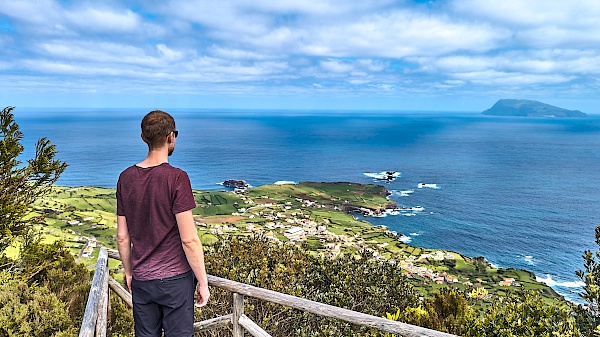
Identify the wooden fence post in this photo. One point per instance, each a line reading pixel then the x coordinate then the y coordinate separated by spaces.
pixel 238 311
pixel 102 323
pixel 88 326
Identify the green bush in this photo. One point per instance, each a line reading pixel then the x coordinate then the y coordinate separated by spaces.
pixel 359 284
pixel 31 310
pixel 52 291
pixel 522 315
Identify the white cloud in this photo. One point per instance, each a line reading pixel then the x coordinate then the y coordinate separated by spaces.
pixel 491 77
pixel 103 20
pixel 336 66
pixel 371 46
pixel 169 54
pixel 236 54
pixel 395 32
pixel 96 52
pixel 531 13
pixel 79 69
pixel 40 12
pixel 401 33
pixel 372 65
pixel 326 8
pixel 538 23
pixel 218 18
pixel 571 63
pixel 384 87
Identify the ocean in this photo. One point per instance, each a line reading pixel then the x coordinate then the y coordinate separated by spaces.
pixel 523 192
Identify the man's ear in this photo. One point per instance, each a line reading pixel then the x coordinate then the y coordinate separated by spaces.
pixel 142 135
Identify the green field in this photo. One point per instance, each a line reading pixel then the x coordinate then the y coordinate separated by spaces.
pixel 75 212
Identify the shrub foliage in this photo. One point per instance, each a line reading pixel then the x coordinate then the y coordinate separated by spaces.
pixel 21 185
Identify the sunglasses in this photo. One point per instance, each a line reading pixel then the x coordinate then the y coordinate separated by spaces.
pixel 175 133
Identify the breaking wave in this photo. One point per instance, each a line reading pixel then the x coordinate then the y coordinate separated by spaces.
pixel 552 283
pixel 285 182
pixel 385 176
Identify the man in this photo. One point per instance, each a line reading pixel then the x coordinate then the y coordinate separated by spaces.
pixel 157 237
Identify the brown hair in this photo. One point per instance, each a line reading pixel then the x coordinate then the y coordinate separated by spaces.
pixel 156 126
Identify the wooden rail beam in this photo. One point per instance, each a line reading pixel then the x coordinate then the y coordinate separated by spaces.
pixel 213 323
pixel 119 290
pixel 114 254
pixel 253 328
pixel 326 310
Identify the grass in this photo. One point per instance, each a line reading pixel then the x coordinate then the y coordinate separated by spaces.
pixel 67 203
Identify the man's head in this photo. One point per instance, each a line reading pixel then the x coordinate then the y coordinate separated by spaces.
pixel 158 130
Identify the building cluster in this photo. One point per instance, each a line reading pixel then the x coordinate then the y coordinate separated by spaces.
pixel 282 220
pixel 88 248
pixel 90 242
pixel 508 282
pixel 427 273
pixel 85 221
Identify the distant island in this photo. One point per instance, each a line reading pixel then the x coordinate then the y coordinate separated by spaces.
pixel 529 108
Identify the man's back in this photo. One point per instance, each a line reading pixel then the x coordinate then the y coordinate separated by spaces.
pixel 157 239
pixel 149 197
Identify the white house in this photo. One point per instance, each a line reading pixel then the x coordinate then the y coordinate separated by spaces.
pixel 294 233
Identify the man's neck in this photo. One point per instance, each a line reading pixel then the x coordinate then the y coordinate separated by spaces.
pixel 155 157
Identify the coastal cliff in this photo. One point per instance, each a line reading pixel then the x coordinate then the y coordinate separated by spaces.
pixel 529 108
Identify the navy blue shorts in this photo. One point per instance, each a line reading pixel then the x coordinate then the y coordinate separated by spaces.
pixel 165 304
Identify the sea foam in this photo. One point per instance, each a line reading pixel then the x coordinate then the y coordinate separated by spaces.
pixel 552 283
pixel 284 182
pixel 404 193
pixel 385 175
pixel 405 239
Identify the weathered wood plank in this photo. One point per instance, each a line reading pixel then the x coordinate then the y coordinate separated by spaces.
pixel 120 291
pixel 326 310
pixel 101 321
pixel 238 311
pixel 213 323
pixel 252 327
pixel 114 254
pixel 88 325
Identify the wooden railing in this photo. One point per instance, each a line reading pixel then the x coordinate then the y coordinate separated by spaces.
pixel 95 317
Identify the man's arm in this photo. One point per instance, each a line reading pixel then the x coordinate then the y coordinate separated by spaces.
pixel 124 245
pixel 193 252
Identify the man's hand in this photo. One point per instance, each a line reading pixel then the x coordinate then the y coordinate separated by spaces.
pixel 202 295
pixel 128 280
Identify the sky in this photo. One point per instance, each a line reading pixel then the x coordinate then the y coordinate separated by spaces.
pixel 454 55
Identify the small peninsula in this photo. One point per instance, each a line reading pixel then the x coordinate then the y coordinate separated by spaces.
pixel 529 108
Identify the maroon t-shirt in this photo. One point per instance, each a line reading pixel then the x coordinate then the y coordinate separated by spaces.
pixel 149 198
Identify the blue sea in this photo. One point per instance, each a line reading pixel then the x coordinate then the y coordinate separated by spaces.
pixel 523 192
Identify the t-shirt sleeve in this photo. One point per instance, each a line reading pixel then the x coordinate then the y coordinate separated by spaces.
pixel 184 198
pixel 120 210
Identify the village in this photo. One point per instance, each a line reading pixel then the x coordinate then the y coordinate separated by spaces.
pixel 300 218
pixel 289 222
